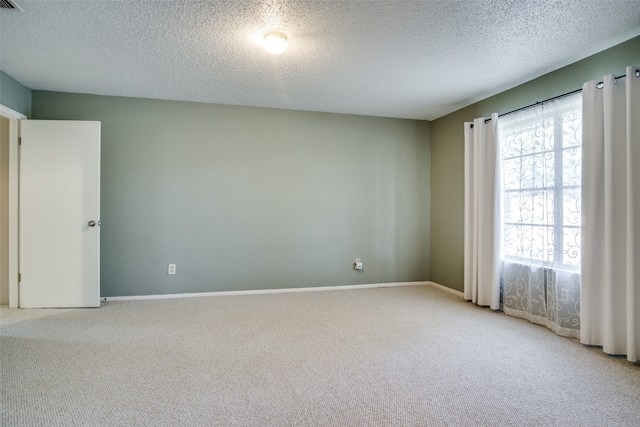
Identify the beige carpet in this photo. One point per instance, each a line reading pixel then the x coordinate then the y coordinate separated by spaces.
pixel 412 356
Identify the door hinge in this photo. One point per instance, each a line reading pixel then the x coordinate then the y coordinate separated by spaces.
pixel 19 140
pixel 19 277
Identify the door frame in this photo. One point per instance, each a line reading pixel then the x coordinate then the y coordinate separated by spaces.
pixel 14 162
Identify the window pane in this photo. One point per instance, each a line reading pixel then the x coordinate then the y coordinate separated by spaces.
pixel 571 201
pixel 511 171
pixel 528 139
pixel 535 171
pixel 572 250
pixel 541 204
pixel 572 166
pixel 532 242
pixel 572 129
pixel 529 207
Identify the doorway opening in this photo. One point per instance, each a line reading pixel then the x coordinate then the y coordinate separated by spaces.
pixel 9 132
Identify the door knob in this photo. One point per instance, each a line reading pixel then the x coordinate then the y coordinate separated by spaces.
pixel 91 223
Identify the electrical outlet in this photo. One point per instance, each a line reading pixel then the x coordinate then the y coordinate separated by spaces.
pixel 358 264
pixel 171 269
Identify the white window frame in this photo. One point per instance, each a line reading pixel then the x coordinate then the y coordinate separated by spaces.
pixel 559 225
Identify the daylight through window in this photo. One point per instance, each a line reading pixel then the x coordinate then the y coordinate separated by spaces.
pixel 541 162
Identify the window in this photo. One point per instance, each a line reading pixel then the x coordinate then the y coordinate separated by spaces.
pixel 541 162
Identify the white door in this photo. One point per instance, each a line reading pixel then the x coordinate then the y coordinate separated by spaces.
pixel 59 214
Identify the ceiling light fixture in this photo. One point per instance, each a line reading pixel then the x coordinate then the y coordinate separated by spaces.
pixel 275 42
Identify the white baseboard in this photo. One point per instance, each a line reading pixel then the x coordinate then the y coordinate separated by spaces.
pixel 270 291
pixel 444 288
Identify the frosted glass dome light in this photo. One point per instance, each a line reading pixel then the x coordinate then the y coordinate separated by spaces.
pixel 275 43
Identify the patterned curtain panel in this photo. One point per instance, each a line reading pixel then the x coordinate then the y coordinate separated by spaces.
pixel 540 166
pixel 544 296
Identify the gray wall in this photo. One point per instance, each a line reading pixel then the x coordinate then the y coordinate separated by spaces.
pixel 253 198
pixel 447 150
pixel 14 95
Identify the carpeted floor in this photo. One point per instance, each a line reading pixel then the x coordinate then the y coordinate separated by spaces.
pixel 408 356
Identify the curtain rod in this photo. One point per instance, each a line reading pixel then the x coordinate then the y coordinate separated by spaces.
pixel 599 85
pixel 541 102
pixel 538 103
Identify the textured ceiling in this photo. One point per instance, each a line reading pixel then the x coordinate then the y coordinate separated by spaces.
pixel 409 59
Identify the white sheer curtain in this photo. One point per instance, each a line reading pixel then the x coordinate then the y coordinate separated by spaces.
pixel 540 154
pixel 610 312
pixel 482 225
